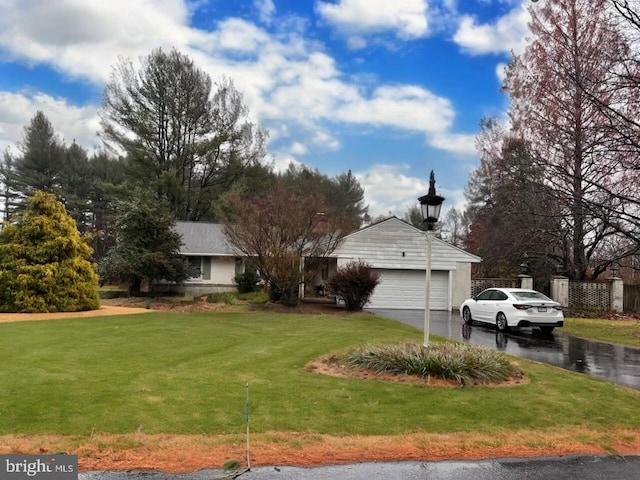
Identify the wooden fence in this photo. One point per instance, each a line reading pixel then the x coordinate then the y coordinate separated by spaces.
pixel 632 298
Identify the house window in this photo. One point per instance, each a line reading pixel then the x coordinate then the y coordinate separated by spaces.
pixel 195 267
pixel 324 273
pixel 239 268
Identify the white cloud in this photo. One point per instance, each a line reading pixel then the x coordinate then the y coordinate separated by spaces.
pixel 406 18
pixel 325 140
pixel 289 83
pixel 298 148
pixel 237 35
pixel 281 160
pixel 69 122
pixel 406 107
pixel 356 43
pixel 507 34
pixel 456 143
pixel 83 39
pixel 501 73
pixel 266 10
pixel 388 189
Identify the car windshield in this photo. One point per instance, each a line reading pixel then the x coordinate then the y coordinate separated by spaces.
pixel 530 296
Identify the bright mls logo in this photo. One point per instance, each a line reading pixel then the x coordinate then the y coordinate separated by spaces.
pixel 41 467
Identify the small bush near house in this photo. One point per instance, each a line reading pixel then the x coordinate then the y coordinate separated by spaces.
pixel 354 283
pixel 287 296
pixel 230 298
pixel 256 298
pixel 456 361
pixel 233 298
pixel 248 281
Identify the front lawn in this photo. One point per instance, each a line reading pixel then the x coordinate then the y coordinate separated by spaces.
pixel 624 332
pixel 186 373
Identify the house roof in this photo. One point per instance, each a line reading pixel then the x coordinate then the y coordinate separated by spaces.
pixel 394 243
pixel 203 238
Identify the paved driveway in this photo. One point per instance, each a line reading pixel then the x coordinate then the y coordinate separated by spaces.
pixel 615 363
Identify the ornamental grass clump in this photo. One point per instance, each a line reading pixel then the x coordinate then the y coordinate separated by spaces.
pixel 458 361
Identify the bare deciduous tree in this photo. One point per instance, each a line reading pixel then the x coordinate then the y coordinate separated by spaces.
pixel 557 90
pixel 286 233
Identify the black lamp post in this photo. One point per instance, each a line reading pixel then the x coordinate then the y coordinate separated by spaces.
pixel 430 205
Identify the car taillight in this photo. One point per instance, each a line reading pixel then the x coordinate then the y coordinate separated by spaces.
pixel 558 307
pixel 521 306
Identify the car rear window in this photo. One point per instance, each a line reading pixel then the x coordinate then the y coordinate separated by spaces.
pixel 498 295
pixel 530 296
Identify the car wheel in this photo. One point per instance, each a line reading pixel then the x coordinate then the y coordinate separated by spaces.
pixel 546 329
pixel 466 316
pixel 501 322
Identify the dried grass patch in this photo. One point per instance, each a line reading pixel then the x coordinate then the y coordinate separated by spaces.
pixel 188 453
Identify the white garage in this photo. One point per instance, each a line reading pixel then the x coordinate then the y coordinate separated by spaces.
pixel 397 251
pixel 406 288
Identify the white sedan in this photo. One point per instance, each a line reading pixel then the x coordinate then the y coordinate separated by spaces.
pixel 513 307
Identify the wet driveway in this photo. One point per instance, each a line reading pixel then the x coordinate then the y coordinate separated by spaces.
pixel 616 363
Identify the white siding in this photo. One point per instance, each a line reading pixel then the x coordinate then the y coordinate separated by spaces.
pixel 394 244
pixel 406 288
pixel 461 285
pixel 398 252
pixel 223 271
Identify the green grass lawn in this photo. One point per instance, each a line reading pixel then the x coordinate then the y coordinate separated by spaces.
pixel 625 332
pixel 186 373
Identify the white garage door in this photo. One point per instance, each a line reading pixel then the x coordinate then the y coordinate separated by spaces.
pixel 405 289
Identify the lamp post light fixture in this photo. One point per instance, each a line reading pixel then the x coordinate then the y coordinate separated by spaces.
pixel 430 205
pixel 615 268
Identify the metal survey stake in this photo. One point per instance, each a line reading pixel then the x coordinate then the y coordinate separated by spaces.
pixel 247 417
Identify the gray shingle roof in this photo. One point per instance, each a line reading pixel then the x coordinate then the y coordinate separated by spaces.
pixel 202 238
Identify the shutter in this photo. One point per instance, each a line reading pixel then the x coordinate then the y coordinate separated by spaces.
pixel 206 268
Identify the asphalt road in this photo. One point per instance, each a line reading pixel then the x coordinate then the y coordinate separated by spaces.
pixel 556 468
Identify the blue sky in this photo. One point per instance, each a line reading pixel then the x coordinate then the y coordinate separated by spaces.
pixel 389 89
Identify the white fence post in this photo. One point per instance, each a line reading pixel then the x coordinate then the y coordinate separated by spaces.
pixel 560 290
pixel 617 294
pixel 526 281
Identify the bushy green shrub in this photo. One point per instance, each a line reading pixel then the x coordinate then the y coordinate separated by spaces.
pixel 44 261
pixel 354 283
pixel 255 298
pixel 234 298
pixel 248 281
pixel 458 361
